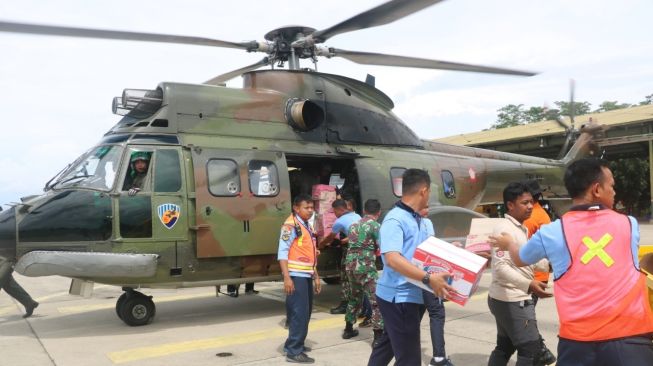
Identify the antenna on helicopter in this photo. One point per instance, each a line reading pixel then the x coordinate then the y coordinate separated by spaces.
pixel 287 44
pixel 370 80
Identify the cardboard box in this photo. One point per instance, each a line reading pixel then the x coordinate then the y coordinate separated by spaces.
pixel 323 197
pixel 479 232
pixel 466 268
pixel 320 190
pixel 324 222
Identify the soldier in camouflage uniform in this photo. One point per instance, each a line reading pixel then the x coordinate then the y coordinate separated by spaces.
pixel 360 266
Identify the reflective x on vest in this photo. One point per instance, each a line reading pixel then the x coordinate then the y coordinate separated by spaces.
pixel 596 249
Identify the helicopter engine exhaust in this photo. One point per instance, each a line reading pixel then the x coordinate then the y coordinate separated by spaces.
pixel 302 114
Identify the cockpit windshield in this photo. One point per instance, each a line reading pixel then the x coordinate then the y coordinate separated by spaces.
pixel 96 169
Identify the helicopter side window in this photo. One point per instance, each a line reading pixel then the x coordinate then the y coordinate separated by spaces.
pixel 223 177
pixel 167 173
pixel 136 178
pixel 263 178
pixel 396 177
pixel 448 184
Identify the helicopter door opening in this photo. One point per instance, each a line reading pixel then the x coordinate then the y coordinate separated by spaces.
pixel 325 179
pixel 307 172
pixel 242 198
pixel 151 203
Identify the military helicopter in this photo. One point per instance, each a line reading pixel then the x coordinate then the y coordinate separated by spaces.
pixel 223 164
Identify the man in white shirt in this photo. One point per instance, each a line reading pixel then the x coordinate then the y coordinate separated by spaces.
pixel 510 291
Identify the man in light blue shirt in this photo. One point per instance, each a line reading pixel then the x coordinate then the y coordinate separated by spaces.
pixel 400 302
pixel 340 230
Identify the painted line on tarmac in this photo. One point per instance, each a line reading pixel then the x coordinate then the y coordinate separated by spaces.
pixel 142 353
pixel 7 309
pixel 86 308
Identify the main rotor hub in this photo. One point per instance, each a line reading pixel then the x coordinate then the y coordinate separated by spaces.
pixel 282 43
pixel 289 33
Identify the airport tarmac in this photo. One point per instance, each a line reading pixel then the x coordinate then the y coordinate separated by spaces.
pixel 193 327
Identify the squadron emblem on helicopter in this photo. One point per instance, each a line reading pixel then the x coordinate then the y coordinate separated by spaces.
pixel 169 214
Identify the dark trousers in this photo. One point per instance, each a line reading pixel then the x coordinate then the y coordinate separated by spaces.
pixel 249 286
pixel 299 306
pixel 631 351
pixel 435 308
pixel 516 331
pixel 367 307
pixel 400 337
pixel 15 290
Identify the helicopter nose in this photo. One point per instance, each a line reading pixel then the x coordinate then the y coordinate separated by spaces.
pixel 8 234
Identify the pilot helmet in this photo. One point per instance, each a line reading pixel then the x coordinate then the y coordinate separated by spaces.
pixel 140 155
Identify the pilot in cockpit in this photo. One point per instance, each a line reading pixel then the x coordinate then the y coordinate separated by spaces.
pixel 135 179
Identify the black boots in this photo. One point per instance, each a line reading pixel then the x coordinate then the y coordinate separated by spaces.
pixel 340 309
pixel 349 332
pixel 29 310
pixel 545 357
pixel 377 337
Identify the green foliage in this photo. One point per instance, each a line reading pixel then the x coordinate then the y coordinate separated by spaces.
pixel 632 185
pixel 510 115
pixel 611 105
pixel 537 114
pixel 579 108
pixel 518 114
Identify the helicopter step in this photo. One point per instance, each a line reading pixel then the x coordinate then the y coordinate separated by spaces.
pixel 135 308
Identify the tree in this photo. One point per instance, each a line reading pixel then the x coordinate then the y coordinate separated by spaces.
pixel 510 115
pixel 536 114
pixel 648 100
pixel 632 184
pixel 579 108
pixel 611 105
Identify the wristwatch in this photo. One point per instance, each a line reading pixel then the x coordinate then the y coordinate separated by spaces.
pixel 426 278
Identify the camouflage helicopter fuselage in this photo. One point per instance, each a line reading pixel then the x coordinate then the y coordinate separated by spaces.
pixel 201 220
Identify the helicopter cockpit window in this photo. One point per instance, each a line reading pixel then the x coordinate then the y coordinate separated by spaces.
pixel 167 173
pixel 223 177
pixel 136 178
pixel 396 177
pixel 448 184
pixel 263 178
pixel 96 169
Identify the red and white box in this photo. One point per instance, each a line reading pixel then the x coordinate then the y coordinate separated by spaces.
pixel 466 268
pixel 479 232
pixel 324 223
pixel 321 191
pixel 323 197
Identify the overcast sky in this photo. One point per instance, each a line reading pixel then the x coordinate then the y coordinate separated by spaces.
pixel 55 92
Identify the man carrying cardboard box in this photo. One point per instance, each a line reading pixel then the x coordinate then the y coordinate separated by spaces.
pixel 510 291
pixel 400 302
pixel 605 318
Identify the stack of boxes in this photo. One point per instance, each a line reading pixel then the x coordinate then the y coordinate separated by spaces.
pixel 323 197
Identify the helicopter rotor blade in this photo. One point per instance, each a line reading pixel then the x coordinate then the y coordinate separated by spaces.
pixel 221 79
pixel 52 30
pixel 570 129
pixel 370 58
pixel 380 15
pixel 572 105
pixel 565 146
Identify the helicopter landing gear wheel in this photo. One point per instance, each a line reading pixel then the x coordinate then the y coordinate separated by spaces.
pixel 135 309
pixel 119 304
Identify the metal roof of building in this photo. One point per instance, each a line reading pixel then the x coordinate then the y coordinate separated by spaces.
pixel 537 129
